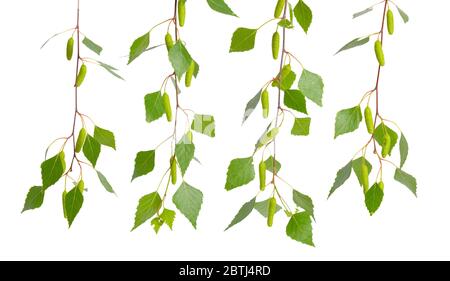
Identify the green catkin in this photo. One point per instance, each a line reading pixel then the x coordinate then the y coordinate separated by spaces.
pixel 390 22
pixel 169 41
pixel 262 175
pixel 365 176
pixel 369 119
pixel 272 209
pixel 379 52
pixel 81 75
pixel 279 8
pixel 181 12
pixel 386 145
pixel 275 45
pixel 189 74
pixel 167 107
pixel 173 169
pixel 69 48
pixel 381 185
pixel 80 140
pixel 265 103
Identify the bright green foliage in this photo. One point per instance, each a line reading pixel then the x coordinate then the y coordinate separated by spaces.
pixel 35 198
pixel 144 163
pixel 244 212
pixel 299 228
pixel 52 170
pixel 240 172
pixel 347 120
pixel 147 208
pixel 243 39
pixel 189 201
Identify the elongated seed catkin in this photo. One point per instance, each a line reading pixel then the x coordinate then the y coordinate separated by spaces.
pixel 390 21
pixel 262 175
pixel 81 75
pixel 369 119
pixel 379 52
pixel 167 107
pixel 279 8
pixel 275 45
pixel 181 12
pixel 272 209
pixel 386 145
pixel 381 185
pixel 69 48
pixel 265 103
pixel 173 170
pixel 365 176
pixel 80 140
pixel 189 74
pixel 169 41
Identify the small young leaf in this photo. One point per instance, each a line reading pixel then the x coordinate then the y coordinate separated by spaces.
pixel 341 177
pixel 104 137
pixel 180 59
pixel 357 164
pixel 347 120
pixel 240 172
pixel 303 14
pixel 263 208
pixel 407 180
pixel 374 197
pixel 157 223
pixel 311 86
pixel 154 107
pixel 287 77
pixel 92 46
pixel 363 12
pixel 403 150
pixel 52 170
pixel 73 203
pixel 147 208
pixel 184 151
pixel 105 182
pixel 269 165
pixel 91 149
pixel 285 23
pixel 379 136
pixel 112 70
pixel 244 212
pixel 402 13
pixel 168 216
pixel 139 46
pixel 304 202
pixel 221 7
pixel 204 124
pixel 189 201
pixel 354 43
pixel 299 228
pixel 144 163
pixel 35 198
pixel 294 99
pixel 243 40
pixel 251 105
pixel 301 126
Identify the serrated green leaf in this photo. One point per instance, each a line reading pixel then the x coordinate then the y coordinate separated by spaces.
pixel 301 126
pixel 311 86
pixel 147 208
pixel 263 207
pixel 251 105
pixel 184 152
pixel 299 228
pixel 407 180
pixel 204 124
pixel 73 203
pixel 34 199
pixel 154 107
pixel 244 212
pixel 267 137
pixel 112 70
pixel 404 147
pixel 404 16
pixel 91 149
pixel 243 40
pixel 269 165
pixel 373 198
pixel 285 23
pixel 363 12
pixel 240 172
pixel 189 201
pixel 221 7
pixel 139 46
pixel 357 164
pixel 347 120
pixel 92 46
pixel 303 14
pixel 144 163
pixel 168 216
pixel 354 43
pixel 294 99
pixel 105 182
pixel 379 136
pixel 303 201
pixel 341 177
pixel 157 223
pixel 104 137
pixel 52 170
pixel 180 59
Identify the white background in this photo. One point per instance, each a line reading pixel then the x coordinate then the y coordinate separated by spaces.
pixel 37 105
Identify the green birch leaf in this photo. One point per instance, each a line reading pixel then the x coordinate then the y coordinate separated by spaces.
pixel 112 70
pixel 92 46
pixel 404 16
pixel 263 208
pixel 73 201
pixel 303 201
pixel 105 182
pixel 285 23
pixel 251 105
pixel 373 198
pixel 35 198
pixel 104 137
pixel 269 165
pixel 147 208
pixel 154 108
pixel 240 172
pixel 363 12
pixel 303 14
pixel 244 212
pixel 157 223
pixel 52 170
pixel 243 40
pixel 189 201
pixel 139 46
pixel 299 228
pixel 287 77
pixel 357 164
pixel 204 124
pixel 311 86
pixel 354 43
pixel 91 149
pixel 407 180
pixel 347 121
pixel 301 126
pixel 221 7
pixel 403 150
pixel 341 177
pixel 294 99
pixel 184 151
pixel 180 59
pixel 379 136
pixel 144 163
pixel 168 216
